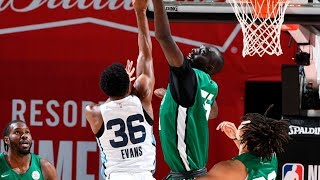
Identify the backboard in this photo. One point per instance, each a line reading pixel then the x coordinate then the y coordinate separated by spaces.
pixel 298 11
pixel 261 24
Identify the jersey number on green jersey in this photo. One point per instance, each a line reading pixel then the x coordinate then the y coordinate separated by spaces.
pixel 207 102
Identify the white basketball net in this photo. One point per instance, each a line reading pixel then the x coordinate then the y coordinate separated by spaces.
pixel 260 34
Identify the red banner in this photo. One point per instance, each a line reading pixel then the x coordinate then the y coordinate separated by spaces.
pixel 53 51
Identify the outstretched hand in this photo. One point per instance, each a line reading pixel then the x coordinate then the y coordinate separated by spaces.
pixel 160 92
pixel 140 4
pixel 228 128
pixel 130 70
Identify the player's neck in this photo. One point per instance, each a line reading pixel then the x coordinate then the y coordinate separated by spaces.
pixel 16 160
pixel 114 98
pixel 243 149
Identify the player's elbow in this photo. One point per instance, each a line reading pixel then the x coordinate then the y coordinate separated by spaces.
pixel 214 111
pixel 89 108
pixel 213 114
pixel 163 38
pixel 145 56
pixel 89 111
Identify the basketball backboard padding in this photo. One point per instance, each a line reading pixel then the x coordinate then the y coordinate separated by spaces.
pixel 315 29
pixel 301 35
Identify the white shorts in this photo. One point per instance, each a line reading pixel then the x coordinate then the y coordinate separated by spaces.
pixel 130 176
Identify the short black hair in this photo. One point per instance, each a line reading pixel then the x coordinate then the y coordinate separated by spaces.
pixel 264 136
pixel 6 132
pixel 114 80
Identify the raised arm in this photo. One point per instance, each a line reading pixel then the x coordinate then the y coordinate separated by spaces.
pixel 144 60
pixel 144 83
pixel 162 30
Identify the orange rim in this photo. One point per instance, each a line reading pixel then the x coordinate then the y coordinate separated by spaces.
pixel 265 9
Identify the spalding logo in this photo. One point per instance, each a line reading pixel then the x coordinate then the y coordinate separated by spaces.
pixel 171 8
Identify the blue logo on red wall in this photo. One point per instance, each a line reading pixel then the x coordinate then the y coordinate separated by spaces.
pixel 292 171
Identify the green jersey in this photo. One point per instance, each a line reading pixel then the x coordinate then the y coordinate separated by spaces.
pixel 34 171
pixel 259 169
pixel 184 130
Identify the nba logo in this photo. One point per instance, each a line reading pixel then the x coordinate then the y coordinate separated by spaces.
pixel 292 171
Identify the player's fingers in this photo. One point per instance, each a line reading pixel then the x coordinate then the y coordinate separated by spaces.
pixel 220 126
pixel 160 92
pixel 131 64
pixel 223 127
pixel 157 91
pixel 132 71
pixel 231 126
pixel 234 126
pixel 128 63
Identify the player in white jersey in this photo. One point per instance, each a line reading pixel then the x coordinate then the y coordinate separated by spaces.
pixel 123 124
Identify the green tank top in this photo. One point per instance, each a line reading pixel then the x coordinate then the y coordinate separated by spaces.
pixel 259 169
pixel 34 172
pixel 184 131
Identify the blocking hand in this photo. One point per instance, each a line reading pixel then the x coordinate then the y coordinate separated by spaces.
pixel 140 4
pixel 130 70
pixel 228 128
pixel 160 92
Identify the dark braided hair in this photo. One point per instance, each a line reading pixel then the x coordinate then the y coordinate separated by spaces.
pixel 6 132
pixel 264 136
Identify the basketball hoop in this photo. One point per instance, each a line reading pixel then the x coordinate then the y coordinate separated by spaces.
pixel 261 22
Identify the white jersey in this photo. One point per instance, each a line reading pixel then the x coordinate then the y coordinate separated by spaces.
pixel 126 139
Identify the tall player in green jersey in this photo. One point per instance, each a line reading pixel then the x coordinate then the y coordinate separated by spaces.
pixel 188 103
pixel 258 139
pixel 18 162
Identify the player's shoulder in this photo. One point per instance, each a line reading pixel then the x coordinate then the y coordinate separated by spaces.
pixel 48 169
pixel 230 169
pixel 225 166
pixel 92 109
pixel 213 83
pixel 46 163
pixel 204 77
pixel 93 113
